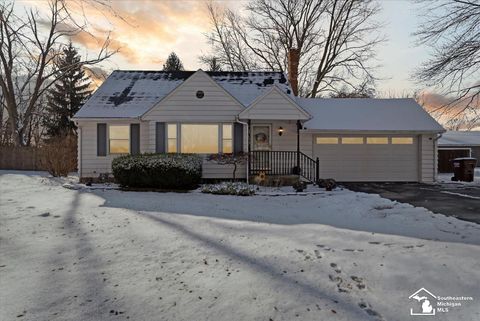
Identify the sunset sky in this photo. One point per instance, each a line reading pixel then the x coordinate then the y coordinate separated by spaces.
pixel 154 28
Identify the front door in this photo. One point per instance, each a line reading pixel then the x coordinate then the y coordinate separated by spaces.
pixel 261 136
pixel 261 146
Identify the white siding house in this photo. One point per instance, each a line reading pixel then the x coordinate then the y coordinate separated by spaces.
pixel 255 113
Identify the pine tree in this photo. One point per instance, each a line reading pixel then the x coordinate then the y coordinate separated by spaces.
pixel 173 63
pixel 67 95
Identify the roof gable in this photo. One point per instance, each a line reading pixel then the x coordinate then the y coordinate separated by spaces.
pixel 184 96
pixel 275 105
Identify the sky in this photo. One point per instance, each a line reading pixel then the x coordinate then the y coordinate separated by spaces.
pixel 151 29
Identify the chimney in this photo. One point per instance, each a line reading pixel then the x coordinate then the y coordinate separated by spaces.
pixel 293 57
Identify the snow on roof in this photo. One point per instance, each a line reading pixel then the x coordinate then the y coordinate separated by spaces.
pixel 364 114
pixel 460 138
pixel 247 86
pixel 128 94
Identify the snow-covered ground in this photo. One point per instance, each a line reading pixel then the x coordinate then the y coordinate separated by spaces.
pixel 111 255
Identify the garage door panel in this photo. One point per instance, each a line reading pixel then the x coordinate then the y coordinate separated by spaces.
pixel 368 162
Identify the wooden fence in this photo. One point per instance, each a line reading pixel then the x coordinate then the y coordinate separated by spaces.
pixel 21 158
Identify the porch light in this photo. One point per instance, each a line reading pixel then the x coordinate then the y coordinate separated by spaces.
pixel 280 131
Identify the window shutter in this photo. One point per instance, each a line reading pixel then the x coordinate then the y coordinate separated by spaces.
pixel 160 138
pixel 237 138
pixel 134 139
pixel 101 139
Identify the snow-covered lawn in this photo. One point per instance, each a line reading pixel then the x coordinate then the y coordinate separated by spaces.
pixel 111 255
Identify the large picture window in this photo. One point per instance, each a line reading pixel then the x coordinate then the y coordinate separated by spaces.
pixel 119 139
pixel 199 138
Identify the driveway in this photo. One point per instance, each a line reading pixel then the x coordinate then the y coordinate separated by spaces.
pixel 461 201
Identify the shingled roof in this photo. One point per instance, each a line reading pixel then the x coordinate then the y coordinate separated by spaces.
pixel 129 94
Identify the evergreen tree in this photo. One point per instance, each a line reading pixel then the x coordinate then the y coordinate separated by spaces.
pixel 67 95
pixel 173 63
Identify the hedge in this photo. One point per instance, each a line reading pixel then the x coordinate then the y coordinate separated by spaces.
pixel 158 171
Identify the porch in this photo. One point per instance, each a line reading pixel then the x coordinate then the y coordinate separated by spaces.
pixel 283 163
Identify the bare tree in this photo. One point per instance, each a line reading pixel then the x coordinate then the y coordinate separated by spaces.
pixel 29 45
pixel 452 29
pixel 211 62
pixel 334 40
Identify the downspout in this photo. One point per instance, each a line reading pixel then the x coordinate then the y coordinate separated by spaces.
pixel 248 145
pixel 299 126
pixel 435 174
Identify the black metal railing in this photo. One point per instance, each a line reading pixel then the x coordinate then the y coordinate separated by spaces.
pixel 276 163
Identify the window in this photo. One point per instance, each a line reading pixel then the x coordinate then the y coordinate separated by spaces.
pixel 171 138
pixel 402 140
pixel 200 94
pixel 377 140
pixel 119 139
pixel 200 139
pixel 352 140
pixel 227 141
pixel 327 140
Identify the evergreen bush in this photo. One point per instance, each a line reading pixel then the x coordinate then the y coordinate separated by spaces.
pixel 158 171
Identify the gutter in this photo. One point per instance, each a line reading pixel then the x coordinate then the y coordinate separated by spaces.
pixel 237 120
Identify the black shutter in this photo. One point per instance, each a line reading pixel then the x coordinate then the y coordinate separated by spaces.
pixel 101 139
pixel 160 138
pixel 134 139
pixel 237 138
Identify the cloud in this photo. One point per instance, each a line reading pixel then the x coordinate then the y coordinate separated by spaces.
pixel 144 31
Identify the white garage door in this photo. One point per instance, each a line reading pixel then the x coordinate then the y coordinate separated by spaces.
pixel 367 158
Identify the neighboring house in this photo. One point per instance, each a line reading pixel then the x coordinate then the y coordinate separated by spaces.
pixel 455 144
pixel 256 113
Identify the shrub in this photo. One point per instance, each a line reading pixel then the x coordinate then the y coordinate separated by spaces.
pixel 162 171
pixel 59 155
pixel 229 188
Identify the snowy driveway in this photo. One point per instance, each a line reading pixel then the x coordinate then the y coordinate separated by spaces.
pixel 454 199
pixel 111 255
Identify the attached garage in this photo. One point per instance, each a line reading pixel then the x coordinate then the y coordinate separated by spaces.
pixel 372 140
pixel 368 158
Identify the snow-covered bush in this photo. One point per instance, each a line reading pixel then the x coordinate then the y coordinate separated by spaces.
pixel 229 188
pixel 162 171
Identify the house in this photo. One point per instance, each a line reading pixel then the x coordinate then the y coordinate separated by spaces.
pixel 256 113
pixel 455 144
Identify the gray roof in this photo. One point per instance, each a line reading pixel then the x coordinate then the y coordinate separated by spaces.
pixel 129 94
pixel 460 138
pixel 364 114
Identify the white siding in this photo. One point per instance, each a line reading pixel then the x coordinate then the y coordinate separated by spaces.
pixel 182 105
pixel 428 158
pixel 273 105
pixel 288 140
pixel 91 165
